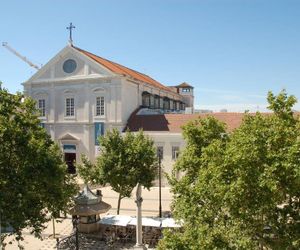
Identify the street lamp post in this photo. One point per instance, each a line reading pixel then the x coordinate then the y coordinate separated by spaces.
pixel 159 179
pixel 0 233
pixel 139 200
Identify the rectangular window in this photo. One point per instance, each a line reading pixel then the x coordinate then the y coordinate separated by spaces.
pixel 175 152
pixel 42 107
pixel 70 109
pixel 100 106
pixel 160 151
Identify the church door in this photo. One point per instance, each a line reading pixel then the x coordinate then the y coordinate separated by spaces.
pixel 70 159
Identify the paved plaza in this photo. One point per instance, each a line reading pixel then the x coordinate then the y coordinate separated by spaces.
pixel 64 227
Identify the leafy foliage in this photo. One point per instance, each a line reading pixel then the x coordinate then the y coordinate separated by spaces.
pixel 33 179
pixel 241 190
pixel 124 162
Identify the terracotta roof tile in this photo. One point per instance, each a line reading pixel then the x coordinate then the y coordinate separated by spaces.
pixel 122 70
pixel 174 122
pixel 184 85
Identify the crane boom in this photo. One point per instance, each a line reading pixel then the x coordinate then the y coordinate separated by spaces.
pixel 4 44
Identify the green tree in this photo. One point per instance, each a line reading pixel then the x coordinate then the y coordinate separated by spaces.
pixel 33 179
pixel 124 161
pixel 241 190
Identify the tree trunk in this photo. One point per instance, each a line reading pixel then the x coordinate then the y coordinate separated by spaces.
pixel 119 203
pixel 53 224
pixel 261 245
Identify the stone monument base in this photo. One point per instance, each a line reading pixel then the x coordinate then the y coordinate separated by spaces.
pixel 139 247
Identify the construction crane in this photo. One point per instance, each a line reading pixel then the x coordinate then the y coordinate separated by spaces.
pixel 4 44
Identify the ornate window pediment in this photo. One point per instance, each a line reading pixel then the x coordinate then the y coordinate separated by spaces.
pixel 69 91
pixel 98 90
pixel 40 93
pixel 68 137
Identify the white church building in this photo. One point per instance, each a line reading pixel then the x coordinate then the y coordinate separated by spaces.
pixel 81 95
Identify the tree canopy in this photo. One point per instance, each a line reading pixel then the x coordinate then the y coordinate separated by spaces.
pixel 241 190
pixel 33 179
pixel 124 161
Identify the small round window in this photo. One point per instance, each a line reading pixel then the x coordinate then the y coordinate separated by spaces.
pixel 69 66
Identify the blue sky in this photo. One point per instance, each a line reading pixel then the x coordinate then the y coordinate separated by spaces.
pixel 232 51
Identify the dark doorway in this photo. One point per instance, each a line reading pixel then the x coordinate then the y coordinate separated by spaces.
pixel 70 159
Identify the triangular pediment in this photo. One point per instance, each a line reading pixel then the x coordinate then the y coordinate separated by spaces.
pixel 55 69
pixel 68 137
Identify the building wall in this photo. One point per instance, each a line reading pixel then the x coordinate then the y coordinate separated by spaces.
pixel 167 141
pixel 122 96
pixel 188 97
pixel 130 99
pixel 81 125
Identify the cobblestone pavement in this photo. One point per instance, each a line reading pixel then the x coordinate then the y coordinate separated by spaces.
pixel 91 243
pixel 64 228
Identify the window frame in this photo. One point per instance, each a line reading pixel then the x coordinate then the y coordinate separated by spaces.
pixel 41 108
pixel 146 100
pixel 156 102
pixel 100 106
pixel 70 115
pixel 175 153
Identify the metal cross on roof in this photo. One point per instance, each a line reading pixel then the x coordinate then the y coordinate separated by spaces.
pixel 70 28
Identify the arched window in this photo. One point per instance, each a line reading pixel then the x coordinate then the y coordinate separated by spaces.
pixel 171 104
pixel 156 102
pixel 166 103
pixel 175 105
pixel 161 102
pixel 146 99
pixel 182 106
pixel 152 101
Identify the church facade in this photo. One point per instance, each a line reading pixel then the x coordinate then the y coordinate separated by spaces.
pixel 81 95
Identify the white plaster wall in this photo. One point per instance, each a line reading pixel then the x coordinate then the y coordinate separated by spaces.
pixel 77 130
pixel 84 94
pixel 130 99
pixel 82 124
pixel 167 140
pixel 46 75
pixel 58 68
